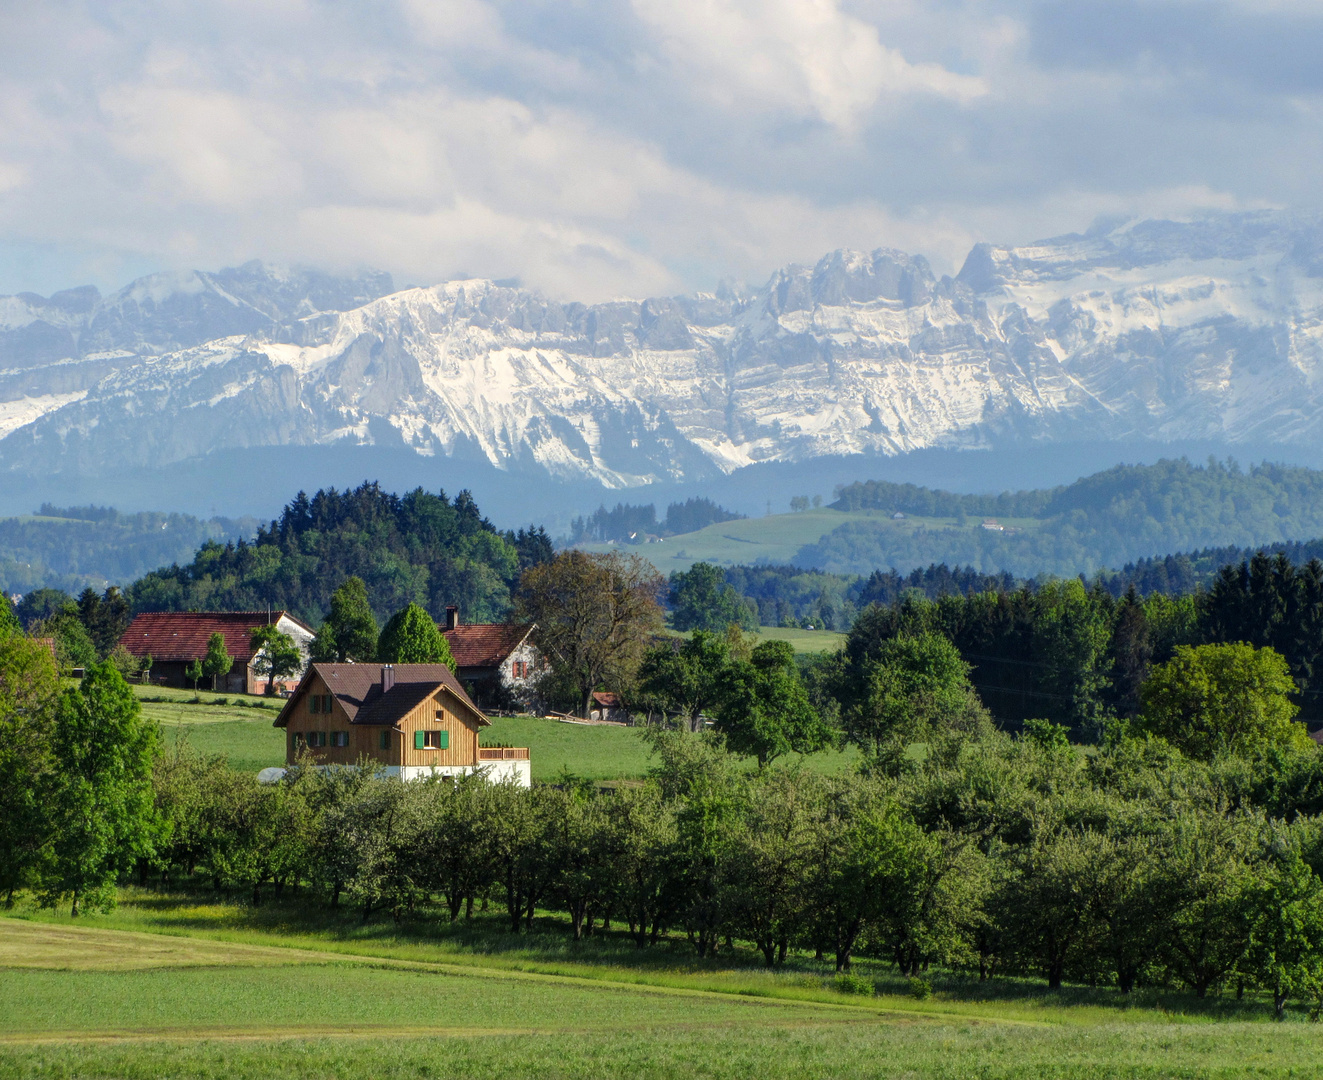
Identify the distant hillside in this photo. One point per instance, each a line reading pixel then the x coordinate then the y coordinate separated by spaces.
pixel 1106 520
pixel 72 547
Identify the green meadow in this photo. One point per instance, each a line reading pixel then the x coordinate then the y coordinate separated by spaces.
pixel 171 986
pixel 247 740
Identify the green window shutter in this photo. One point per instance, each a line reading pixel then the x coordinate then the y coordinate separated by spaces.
pixel 418 737
pixel 384 740
pixel 313 702
pixel 445 740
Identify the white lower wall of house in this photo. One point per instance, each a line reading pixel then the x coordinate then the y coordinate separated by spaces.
pixel 520 772
pixel 498 772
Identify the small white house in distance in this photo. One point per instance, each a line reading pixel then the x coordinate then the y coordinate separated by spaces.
pixel 498 663
pixel 410 720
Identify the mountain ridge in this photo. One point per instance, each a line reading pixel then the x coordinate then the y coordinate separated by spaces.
pixel 1210 329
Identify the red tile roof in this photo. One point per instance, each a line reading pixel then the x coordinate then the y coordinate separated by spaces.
pixel 479 645
pixel 183 635
pixel 358 689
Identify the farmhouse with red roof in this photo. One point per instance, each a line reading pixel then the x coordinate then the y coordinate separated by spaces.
pixel 498 662
pixel 174 639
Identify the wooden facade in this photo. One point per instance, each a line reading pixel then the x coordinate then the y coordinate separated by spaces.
pixel 411 720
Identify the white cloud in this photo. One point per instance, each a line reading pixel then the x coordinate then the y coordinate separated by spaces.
pixel 596 148
pixel 806 56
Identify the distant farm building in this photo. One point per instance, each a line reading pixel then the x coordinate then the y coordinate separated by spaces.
pixel 174 639
pixel 409 720
pixel 498 663
pixel 608 707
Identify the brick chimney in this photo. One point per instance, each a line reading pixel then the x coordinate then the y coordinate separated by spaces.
pixel 452 617
pixel 387 677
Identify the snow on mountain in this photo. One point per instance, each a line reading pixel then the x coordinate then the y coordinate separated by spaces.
pixel 1208 329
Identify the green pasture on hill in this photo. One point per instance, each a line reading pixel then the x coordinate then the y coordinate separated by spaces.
pixel 775 538
pixel 207 993
pixel 804 641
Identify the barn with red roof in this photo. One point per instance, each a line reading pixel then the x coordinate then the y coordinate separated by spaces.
pixel 174 639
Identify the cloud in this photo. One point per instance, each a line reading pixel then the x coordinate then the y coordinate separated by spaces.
pixel 597 148
pixel 806 56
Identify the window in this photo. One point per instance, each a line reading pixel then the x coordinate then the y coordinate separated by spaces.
pixel 314 703
pixel 298 738
pixel 519 669
pixel 316 738
pixel 339 738
pixel 431 740
pixel 383 741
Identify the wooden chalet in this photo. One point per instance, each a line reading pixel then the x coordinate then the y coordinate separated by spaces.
pixel 411 720
pixel 174 639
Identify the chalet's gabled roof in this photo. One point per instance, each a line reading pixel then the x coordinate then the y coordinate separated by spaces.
pixel 183 635
pixel 479 645
pixel 357 687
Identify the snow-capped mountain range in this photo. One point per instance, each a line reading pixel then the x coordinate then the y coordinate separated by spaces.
pixel 1209 329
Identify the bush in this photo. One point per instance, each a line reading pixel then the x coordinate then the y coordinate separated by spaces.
pixel 854 984
pixel 920 989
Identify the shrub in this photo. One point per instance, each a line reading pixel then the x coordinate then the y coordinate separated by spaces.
pixel 920 989
pixel 854 984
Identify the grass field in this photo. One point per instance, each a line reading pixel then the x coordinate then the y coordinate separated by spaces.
pixel 775 538
pixel 804 641
pixel 596 753
pixel 96 1001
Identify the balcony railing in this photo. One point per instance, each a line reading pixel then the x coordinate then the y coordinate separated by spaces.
pixel 503 753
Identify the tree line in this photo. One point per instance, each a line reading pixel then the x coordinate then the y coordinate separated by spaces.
pixel 627 522
pixel 1078 656
pixel 1106 520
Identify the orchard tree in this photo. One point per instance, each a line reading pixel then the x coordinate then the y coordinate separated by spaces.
pixel 411 637
pixel 274 655
pixel 194 672
pixel 101 792
pixel 1217 699
pixel 689 679
pixel 1285 953
pixel 764 709
pixel 596 616
pixel 913 687
pixel 350 631
pixel 29 697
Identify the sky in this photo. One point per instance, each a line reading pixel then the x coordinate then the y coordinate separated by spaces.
pixel 595 149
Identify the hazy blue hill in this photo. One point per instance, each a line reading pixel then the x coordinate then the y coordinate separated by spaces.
pixel 72 547
pixel 1112 518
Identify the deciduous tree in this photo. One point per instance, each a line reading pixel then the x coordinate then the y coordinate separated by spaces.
pixel 596 616
pixel 350 631
pixel 1217 699
pixel 217 662
pixel 764 710
pixel 274 655
pixel 101 797
pixel 411 637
